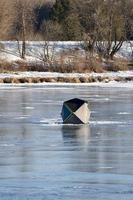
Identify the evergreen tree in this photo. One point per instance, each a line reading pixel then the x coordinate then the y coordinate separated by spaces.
pixel 72 28
pixel 60 10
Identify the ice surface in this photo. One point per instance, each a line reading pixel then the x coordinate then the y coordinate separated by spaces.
pixel 40 158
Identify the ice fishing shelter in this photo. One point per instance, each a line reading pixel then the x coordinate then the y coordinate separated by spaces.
pixel 75 111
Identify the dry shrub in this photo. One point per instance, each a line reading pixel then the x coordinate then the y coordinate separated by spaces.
pixel 47 80
pixel 37 67
pixel 91 79
pixel 64 68
pixel 53 80
pixel 74 80
pixel 15 80
pixel 61 79
pixel 35 80
pixel 5 66
pixel 94 65
pixel 67 64
pixel 119 79
pixel 7 80
pixel 1 81
pixel 129 78
pixel 83 79
pixel 79 65
pixel 117 65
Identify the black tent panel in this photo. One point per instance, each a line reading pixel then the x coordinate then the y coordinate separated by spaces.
pixel 73 119
pixel 65 112
pixel 74 104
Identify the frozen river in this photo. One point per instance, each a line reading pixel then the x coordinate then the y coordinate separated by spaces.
pixel 40 159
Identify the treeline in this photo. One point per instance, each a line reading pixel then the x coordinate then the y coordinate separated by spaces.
pixel 103 24
pixel 67 19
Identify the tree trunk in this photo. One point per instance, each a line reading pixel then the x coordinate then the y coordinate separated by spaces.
pixel 23 49
pixel 116 48
pixel 23 35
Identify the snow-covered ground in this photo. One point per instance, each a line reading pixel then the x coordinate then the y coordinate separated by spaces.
pixel 113 75
pixel 35 49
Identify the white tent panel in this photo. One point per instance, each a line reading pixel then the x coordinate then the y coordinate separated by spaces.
pixel 83 113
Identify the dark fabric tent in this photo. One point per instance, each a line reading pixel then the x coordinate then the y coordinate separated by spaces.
pixel 75 111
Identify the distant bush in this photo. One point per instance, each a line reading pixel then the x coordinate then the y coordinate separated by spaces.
pixel 117 65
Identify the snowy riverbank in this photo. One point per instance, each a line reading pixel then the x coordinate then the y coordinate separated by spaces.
pixel 10 59
pixel 50 77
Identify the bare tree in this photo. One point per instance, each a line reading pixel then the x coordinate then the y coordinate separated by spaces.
pixel 43 51
pixel 23 23
pixel 110 29
pixel 49 31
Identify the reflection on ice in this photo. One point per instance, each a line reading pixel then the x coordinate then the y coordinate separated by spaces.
pixel 79 134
